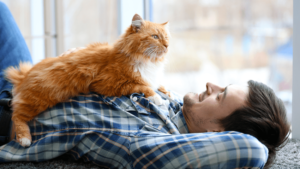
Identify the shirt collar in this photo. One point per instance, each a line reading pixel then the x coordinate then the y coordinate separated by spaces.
pixel 177 115
pixel 179 120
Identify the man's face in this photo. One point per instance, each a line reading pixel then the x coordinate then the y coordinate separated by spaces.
pixel 203 111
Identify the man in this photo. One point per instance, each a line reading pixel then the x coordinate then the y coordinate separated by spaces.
pixel 204 111
pixel 132 132
pixel 253 110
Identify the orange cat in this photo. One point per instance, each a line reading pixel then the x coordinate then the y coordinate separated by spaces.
pixel 132 65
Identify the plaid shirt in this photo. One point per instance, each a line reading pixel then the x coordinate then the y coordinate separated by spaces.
pixel 131 132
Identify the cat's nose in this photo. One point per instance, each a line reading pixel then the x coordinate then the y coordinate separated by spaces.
pixel 166 45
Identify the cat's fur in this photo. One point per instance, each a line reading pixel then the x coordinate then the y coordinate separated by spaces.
pixel 132 65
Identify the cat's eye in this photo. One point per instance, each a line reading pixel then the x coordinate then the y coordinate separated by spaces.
pixel 155 36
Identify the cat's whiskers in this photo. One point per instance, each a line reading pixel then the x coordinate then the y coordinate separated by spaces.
pixel 151 52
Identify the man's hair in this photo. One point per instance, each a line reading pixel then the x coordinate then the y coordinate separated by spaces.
pixel 264 117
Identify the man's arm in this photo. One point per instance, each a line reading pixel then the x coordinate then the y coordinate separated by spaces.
pixel 200 150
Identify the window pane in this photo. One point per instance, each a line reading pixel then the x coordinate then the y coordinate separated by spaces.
pixel 216 41
pixel 87 21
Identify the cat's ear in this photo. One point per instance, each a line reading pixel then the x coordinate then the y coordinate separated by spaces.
pixel 166 24
pixel 137 22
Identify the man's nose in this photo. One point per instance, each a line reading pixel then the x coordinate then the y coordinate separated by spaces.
pixel 213 87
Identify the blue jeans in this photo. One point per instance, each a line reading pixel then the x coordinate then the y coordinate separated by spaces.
pixel 13 48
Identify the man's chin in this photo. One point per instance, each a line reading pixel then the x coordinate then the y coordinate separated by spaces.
pixel 192 95
pixel 190 98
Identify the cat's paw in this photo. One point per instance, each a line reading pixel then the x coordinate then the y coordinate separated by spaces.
pixel 25 142
pixel 23 136
pixel 171 95
pixel 156 99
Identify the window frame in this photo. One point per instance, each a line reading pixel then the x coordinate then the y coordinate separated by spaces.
pixel 126 10
pixel 296 70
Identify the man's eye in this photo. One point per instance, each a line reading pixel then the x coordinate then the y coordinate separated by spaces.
pixel 218 95
pixel 155 36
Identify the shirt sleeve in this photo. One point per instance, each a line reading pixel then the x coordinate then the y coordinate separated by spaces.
pixel 202 150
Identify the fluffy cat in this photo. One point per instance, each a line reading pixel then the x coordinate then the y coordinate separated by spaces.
pixel 132 65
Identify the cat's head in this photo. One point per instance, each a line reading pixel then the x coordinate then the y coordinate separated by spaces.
pixel 145 40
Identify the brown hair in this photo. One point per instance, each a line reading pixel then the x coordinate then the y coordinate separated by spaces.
pixel 263 118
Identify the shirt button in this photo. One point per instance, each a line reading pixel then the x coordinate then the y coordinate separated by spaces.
pixel 134 99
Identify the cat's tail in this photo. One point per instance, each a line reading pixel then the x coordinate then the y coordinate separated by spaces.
pixel 16 75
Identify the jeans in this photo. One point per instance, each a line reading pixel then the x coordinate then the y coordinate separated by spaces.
pixel 13 48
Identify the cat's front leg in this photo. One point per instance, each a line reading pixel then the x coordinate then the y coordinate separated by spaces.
pixel 99 87
pixel 149 93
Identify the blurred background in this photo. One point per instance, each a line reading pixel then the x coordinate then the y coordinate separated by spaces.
pixel 219 41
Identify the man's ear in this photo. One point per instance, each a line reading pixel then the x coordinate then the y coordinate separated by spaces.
pixel 137 22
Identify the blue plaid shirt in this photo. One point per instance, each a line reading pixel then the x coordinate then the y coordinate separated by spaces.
pixel 132 132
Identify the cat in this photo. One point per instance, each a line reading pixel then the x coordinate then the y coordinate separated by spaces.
pixel 134 64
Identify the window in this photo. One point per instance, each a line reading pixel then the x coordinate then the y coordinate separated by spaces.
pixel 215 41
pixel 212 40
pixel 50 27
